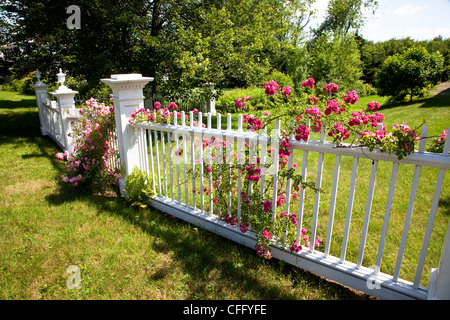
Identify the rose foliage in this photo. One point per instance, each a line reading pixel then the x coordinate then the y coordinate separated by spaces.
pixel 93 162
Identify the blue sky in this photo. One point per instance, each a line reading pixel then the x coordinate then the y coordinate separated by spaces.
pixel 418 19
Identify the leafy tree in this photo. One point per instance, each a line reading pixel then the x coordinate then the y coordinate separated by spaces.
pixel 344 16
pixel 409 73
pixel 335 60
pixel 180 43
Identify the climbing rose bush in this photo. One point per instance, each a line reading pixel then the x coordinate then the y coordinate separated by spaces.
pixel 236 183
pixel 93 162
pixel 438 143
pixel 160 115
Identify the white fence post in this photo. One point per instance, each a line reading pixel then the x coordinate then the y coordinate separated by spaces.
pixel 128 97
pixel 439 283
pixel 40 90
pixel 211 103
pixel 439 286
pixel 65 98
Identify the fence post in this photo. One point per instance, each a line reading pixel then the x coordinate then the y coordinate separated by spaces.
pixel 65 98
pixel 439 283
pixel 211 103
pixel 40 89
pixel 128 97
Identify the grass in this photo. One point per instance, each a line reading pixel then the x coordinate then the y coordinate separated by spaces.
pixel 123 253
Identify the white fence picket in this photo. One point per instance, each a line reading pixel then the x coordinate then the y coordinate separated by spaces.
pixel 348 218
pixel 387 215
pixel 410 209
pixel 337 166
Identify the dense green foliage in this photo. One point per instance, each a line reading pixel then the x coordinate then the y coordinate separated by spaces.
pixel 409 73
pixel 374 54
pixel 184 44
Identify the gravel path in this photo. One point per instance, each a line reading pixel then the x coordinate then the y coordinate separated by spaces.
pixel 442 88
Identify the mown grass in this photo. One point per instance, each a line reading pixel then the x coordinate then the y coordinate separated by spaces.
pixel 123 253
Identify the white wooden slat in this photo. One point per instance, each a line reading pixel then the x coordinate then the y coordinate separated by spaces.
pixel 194 202
pixel 409 211
pixel 262 159
pixel 152 165
pixel 219 150
pixel 351 198
pixel 288 184
pixel 163 156
pixel 337 165
pixel 429 229
pixel 387 215
pixel 185 160
pixel 302 190
pixel 302 195
pixel 431 218
pixel 210 162
pixel 229 156
pixel 253 154
pixel 169 147
pixel 145 151
pixel 141 148
pixel 275 158
pixel 157 162
pixel 200 157
pixel 288 194
pixel 317 199
pixel 407 222
pixel 239 163
pixel 369 202
pixel 177 156
pixel 446 145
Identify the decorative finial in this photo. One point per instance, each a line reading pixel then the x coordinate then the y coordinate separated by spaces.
pixel 61 77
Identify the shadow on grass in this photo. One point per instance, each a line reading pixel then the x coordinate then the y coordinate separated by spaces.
pixel 208 258
pixel 18 104
pixel 445 205
pixel 435 101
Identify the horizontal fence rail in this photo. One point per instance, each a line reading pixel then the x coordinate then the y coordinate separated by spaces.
pixel 172 153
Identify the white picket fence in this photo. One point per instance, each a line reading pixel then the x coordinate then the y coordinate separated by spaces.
pixel 55 115
pixel 151 148
pixel 174 185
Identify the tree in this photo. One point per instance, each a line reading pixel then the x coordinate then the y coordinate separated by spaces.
pixel 334 59
pixel 188 42
pixel 344 16
pixel 409 73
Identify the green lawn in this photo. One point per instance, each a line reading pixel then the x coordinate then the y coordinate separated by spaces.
pixel 123 253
